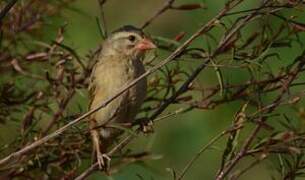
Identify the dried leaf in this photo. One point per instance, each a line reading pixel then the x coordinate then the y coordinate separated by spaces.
pixel 17 67
pixel 37 56
pixel 189 6
pixel 298 27
pixel 27 120
pixel 180 36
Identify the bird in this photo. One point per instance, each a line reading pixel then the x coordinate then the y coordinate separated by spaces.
pixel 119 62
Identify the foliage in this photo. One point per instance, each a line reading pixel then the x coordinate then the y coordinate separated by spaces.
pixel 44 89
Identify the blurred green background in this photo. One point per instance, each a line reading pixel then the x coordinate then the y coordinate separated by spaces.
pixel 176 139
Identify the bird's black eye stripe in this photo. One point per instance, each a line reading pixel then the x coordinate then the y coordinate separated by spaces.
pixel 131 38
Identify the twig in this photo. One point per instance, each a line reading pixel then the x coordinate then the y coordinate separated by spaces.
pixel 293 73
pixel 249 53
pixel 103 19
pixel 204 28
pixel 6 9
pixel 253 164
pixel 185 86
pixel 77 58
pixel 205 147
pixel 119 92
pixel 62 106
pixel 94 166
pixel 160 11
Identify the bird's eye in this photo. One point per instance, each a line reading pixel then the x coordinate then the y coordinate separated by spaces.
pixel 131 38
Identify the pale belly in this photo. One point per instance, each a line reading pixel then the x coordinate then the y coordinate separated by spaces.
pixel 109 80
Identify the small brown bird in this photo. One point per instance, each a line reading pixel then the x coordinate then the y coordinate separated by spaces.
pixel 119 62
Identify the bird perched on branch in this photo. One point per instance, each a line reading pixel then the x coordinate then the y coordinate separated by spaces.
pixel 119 62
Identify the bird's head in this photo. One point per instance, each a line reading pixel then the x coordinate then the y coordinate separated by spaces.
pixel 129 41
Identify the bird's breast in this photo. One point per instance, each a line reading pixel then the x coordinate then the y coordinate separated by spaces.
pixel 110 77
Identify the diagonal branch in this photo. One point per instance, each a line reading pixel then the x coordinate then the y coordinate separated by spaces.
pixel 167 5
pixel 6 9
pixel 292 76
pixel 170 58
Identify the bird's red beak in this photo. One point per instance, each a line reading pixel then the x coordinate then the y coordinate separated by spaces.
pixel 145 44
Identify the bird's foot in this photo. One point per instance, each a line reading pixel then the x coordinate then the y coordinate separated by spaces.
pixel 147 127
pixel 103 161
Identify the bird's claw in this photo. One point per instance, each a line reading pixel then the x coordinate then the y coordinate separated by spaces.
pixel 103 161
pixel 147 127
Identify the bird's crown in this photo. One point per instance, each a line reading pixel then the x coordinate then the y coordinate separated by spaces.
pixel 129 28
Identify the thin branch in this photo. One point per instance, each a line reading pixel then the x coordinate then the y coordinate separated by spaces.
pixel 6 9
pixel 171 57
pixel 103 19
pixel 94 166
pixel 203 149
pixel 167 5
pixel 293 73
pixel 185 86
pixel 165 89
